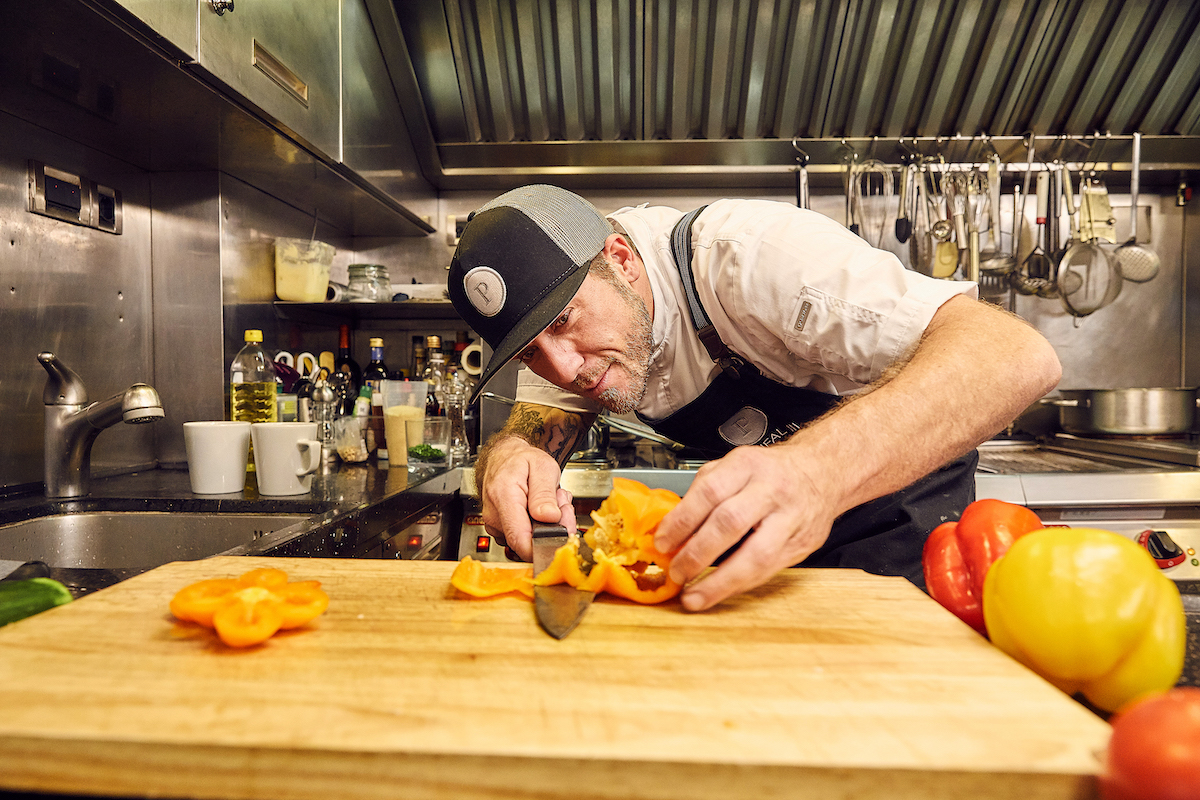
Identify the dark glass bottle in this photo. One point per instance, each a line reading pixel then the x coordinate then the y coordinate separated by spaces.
pixel 376 370
pixel 344 362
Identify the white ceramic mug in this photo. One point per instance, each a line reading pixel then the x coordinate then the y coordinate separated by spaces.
pixel 216 455
pixel 286 454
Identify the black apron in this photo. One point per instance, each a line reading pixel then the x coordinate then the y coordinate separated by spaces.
pixel 742 407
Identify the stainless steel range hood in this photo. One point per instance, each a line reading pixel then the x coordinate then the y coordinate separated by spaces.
pixel 678 92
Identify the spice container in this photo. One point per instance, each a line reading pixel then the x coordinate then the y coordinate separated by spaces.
pixel 369 283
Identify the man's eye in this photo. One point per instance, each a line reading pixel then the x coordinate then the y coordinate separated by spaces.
pixel 525 357
pixel 562 319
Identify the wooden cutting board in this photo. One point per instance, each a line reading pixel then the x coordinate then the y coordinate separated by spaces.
pixel 823 683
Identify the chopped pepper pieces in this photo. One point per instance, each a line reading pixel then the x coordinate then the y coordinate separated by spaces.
pixel 622 541
pixel 625 561
pixel 480 580
pixel 249 610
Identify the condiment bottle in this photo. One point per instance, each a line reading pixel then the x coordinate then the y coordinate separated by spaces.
pixel 252 386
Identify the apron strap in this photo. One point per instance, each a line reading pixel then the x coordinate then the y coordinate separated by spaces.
pixel 730 362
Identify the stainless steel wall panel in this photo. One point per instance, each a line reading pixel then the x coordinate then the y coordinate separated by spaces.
pixel 81 293
pixel 371 117
pixel 188 342
pixel 175 20
pixel 303 43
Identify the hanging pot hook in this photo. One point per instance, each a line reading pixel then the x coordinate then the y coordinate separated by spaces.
pixel 801 156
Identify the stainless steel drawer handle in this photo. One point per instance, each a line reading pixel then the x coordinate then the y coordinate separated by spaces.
pixel 277 71
pixel 221 6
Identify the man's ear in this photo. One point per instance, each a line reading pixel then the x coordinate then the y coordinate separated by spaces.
pixel 622 257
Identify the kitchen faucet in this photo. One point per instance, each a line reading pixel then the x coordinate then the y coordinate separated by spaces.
pixel 72 424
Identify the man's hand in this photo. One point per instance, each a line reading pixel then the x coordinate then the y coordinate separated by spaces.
pixel 764 490
pixel 518 472
pixel 521 481
pixel 950 396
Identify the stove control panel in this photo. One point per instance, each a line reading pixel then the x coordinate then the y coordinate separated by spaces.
pixel 1173 543
pixel 1166 551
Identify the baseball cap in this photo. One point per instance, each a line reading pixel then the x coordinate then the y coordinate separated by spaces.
pixel 519 261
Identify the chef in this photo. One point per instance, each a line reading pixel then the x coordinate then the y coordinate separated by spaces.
pixel 840 396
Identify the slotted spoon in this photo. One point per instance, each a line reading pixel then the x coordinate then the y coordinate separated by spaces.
pixel 1138 262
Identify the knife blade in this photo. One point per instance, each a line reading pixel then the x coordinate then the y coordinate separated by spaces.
pixel 560 607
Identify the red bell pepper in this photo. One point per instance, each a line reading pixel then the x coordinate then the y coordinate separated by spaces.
pixel 958 555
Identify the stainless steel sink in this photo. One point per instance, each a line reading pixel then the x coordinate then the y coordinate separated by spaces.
pixel 132 539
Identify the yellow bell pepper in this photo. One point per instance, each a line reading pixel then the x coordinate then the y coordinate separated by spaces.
pixel 1089 611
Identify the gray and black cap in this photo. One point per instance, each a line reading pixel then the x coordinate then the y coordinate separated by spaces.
pixel 520 260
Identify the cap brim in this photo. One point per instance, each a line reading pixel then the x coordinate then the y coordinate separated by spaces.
pixel 528 328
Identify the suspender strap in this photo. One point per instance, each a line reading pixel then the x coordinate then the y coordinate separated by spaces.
pixel 681 250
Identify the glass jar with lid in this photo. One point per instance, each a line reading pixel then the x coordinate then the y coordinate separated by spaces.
pixel 369 283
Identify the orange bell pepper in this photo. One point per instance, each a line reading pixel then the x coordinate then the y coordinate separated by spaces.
pixel 249 610
pixel 479 580
pixel 626 563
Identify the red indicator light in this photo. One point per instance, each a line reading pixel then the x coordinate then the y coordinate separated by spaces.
pixel 415 540
pixel 483 544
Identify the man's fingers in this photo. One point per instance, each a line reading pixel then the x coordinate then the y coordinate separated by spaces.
pixel 707 492
pixel 763 554
pixel 543 492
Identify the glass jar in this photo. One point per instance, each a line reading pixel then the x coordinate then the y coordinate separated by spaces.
pixel 369 283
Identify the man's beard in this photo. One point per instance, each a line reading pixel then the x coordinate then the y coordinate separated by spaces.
pixel 636 360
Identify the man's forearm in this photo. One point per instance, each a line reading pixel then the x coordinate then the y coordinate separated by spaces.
pixel 974 371
pixel 550 429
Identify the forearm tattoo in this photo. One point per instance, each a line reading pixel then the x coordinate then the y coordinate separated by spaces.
pixel 556 431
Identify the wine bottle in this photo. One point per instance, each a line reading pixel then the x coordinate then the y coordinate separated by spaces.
pixel 344 362
pixel 376 370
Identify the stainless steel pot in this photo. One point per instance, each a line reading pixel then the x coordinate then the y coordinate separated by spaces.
pixel 1126 412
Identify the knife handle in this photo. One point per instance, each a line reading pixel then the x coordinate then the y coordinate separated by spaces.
pixel 544 530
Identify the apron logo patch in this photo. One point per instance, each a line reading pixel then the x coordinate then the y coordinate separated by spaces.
pixel 747 426
pixel 805 307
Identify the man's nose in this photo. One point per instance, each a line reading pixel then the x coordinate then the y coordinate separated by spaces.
pixel 564 364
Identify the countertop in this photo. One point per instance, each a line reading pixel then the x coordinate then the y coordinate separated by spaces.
pixel 335 487
pixel 339 491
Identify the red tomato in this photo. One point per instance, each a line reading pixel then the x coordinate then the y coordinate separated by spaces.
pixel 1154 752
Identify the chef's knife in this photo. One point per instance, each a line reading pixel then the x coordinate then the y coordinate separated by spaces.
pixel 559 607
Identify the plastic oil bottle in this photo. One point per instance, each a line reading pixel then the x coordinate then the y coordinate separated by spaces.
pixel 252 386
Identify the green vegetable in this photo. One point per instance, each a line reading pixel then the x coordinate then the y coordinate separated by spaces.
pixel 21 599
pixel 426 452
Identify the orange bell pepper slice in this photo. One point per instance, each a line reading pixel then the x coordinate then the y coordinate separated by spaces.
pixel 266 577
pixel 479 580
pixel 249 609
pixel 249 616
pixel 302 602
pixel 641 582
pixel 199 601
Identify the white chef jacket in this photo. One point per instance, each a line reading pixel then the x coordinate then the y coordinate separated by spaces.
pixel 791 291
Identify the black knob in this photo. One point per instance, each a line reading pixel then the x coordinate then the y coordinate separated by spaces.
pixel 1162 546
